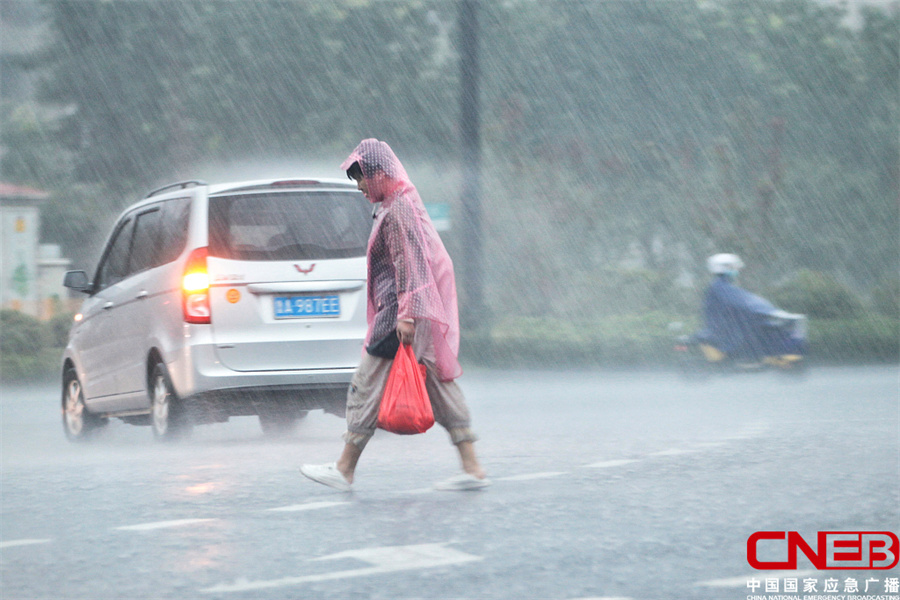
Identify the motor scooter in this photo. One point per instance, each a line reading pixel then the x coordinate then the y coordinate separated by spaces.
pixel 783 340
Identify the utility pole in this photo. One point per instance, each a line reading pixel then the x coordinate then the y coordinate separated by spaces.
pixel 474 313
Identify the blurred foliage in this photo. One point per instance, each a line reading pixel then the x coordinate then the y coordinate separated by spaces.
pixel 58 329
pixel 870 338
pixel 31 349
pixel 886 297
pixel 28 347
pixel 689 123
pixel 554 343
pixel 170 84
pixel 648 340
pixel 22 334
pixel 818 295
pixel 81 220
pixel 624 141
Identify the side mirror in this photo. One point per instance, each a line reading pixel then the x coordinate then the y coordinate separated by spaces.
pixel 78 281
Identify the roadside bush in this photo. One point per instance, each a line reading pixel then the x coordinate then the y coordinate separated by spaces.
pixel 646 340
pixel 22 334
pixel 818 295
pixel 872 338
pixel 27 348
pixel 886 297
pixel 58 328
pixel 619 340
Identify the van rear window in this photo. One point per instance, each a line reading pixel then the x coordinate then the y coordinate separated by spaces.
pixel 289 225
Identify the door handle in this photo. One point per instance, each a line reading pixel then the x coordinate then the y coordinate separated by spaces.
pixel 108 306
pixel 143 295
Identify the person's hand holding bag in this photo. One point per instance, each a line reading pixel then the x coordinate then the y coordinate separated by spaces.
pixel 405 407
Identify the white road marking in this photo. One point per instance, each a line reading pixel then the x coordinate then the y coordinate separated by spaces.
pixel 672 452
pixel 306 506
pixel 749 432
pixel 418 491
pixel 698 447
pixel 603 598
pixel 607 464
pixel 162 524
pixel 387 559
pixel 530 476
pixel 709 444
pixel 742 581
pixel 26 542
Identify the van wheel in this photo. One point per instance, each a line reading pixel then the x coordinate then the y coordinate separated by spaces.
pixel 168 418
pixel 78 423
pixel 280 424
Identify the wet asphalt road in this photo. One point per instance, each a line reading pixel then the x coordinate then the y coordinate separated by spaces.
pixel 606 485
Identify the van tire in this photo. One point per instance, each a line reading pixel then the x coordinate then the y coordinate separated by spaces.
pixel 168 418
pixel 78 424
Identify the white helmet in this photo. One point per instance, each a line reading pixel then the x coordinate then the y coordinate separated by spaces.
pixel 720 264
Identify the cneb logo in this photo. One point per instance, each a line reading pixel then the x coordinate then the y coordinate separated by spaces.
pixel 836 550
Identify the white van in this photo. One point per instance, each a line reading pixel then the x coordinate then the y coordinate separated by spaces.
pixel 211 301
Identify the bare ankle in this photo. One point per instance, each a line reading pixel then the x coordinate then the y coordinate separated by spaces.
pixel 469 459
pixel 346 464
pixel 346 471
pixel 474 470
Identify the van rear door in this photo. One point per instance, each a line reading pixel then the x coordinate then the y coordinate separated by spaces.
pixel 287 271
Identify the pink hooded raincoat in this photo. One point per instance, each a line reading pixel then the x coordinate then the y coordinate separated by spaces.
pixel 410 273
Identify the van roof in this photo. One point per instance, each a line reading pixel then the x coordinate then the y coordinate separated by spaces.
pixel 276 184
pixel 216 189
pixel 280 183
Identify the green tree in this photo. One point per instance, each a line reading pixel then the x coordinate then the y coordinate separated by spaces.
pixel 610 128
pixel 709 124
pixel 157 88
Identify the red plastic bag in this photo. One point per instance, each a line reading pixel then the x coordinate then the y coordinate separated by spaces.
pixel 405 407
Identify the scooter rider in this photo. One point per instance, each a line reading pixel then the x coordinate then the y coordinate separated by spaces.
pixel 737 322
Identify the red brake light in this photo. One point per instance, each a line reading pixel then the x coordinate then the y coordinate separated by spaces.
pixel 195 288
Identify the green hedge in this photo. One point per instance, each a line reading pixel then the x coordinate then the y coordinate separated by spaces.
pixel 29 348
pixel 533 342
pixel 872 338
pixel 819 295
pixel 647 340
pixel 886 297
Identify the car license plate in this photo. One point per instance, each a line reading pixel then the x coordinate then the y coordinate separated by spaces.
pixel 298 307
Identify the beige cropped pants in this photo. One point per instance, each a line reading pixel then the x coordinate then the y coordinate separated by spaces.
pixel 367 388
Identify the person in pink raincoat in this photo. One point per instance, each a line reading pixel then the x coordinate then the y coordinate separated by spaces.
pixel 411 299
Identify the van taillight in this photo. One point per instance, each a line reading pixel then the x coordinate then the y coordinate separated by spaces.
pixel 195 288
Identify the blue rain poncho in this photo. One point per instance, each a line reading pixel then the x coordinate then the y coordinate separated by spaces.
pixel 739 323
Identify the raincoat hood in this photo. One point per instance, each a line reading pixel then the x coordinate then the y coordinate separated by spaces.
pixel 382 171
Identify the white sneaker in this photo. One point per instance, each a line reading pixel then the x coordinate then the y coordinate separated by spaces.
pixel 462 483
pixel 327 475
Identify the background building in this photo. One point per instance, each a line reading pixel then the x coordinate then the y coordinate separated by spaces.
pixel 31 273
